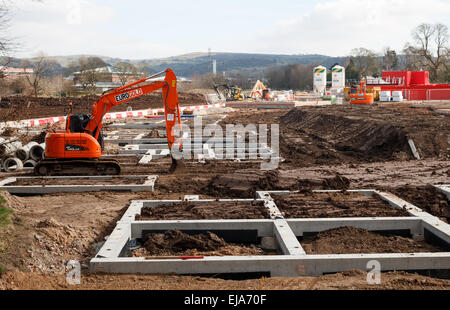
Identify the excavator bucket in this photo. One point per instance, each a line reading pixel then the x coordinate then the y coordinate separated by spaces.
pixel 177 166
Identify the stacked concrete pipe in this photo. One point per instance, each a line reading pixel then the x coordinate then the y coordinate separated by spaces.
pixel 24 152
pixel 7 148
pixel 8 161
pixel 12 164
pixel 37 152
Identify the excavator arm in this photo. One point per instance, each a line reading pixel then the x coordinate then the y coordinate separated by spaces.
pixel 135 90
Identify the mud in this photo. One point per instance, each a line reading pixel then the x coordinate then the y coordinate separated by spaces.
pixel 349 280
pixel 23 107
pixel 352 134
pixel 329 205
pixel 348 134
pixel 177 243
pixel 427 198
pixel 350 240
pixel 206 211
pixel 243 183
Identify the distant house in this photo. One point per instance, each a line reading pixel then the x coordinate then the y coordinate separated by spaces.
pixel 107 78
pixel 15 73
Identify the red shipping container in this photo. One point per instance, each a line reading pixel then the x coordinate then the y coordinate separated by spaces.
pixel 420 78
pixel 395 75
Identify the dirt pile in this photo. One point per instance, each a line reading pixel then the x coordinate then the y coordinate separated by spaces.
pixel 25 107
pixel 354 133
pixel 349 280
pixel 177 243
pixel 427 198
pixel 319 138
pixel 307 204
pixel 12 202
pixel 350 240
pixel 242 184
pixel 211 210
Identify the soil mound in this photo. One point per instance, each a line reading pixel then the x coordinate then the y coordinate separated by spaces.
pixel 307 204
pixel 211 210
pixel 315 137
pixel 427 198
pixel 25 107
pixel 350 240
pixel 242 184
pixel 175 241
pixel 12 202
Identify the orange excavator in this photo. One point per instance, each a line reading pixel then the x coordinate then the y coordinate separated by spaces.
pixel 78 149
pixel 359 95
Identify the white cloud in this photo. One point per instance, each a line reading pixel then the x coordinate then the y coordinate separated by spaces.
pixel 335 27
pixel 54 27
pixel 332 27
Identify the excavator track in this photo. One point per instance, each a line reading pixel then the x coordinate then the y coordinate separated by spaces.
pixel 77 167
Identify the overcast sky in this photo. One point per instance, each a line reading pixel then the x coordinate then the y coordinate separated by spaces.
pixel 137 29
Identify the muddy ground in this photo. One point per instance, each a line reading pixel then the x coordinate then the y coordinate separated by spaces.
pixel 325 148
pixel 22 107
pixel 427 198
pixel 332 135
pixel 332 205
pixel 206 211
pixel 350 240
pixel 177 243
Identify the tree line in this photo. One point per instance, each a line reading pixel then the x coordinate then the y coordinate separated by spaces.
pixel 429 51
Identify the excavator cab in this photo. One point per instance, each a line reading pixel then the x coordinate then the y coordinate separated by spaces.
pixel 77 122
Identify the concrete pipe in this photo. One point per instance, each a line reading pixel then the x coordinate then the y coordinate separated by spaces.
pixel 30 164
pixel 2 160
pixel 9 148
pixel 24 153
pixel 13 164
pixel 37 152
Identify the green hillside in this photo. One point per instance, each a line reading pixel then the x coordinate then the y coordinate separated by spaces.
pixel 200 63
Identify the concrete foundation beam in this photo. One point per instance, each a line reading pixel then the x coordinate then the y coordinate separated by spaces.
pixel 277 266
pixel 147 186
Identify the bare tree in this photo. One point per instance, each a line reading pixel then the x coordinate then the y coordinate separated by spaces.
pixel 5 41
pixel 366 62
pixel 125 71
pixel 390 59
pixel 89 74
pixel 41 68
pixel 430 49
pixel 295 76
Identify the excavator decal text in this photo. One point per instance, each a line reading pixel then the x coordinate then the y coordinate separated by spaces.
pixel 129 95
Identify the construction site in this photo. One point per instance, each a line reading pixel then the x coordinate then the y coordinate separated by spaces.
pixel 331 190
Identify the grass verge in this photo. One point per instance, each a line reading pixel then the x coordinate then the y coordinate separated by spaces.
pixel 5 214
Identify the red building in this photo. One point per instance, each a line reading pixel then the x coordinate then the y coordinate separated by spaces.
pixel 415 85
